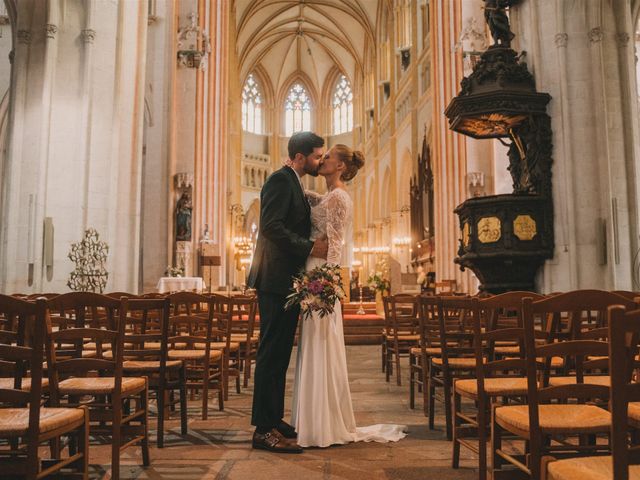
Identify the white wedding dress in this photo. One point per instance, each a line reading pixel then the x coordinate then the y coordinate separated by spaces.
pixel 322 413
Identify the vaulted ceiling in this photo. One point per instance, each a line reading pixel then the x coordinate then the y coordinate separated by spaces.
pixel 308 39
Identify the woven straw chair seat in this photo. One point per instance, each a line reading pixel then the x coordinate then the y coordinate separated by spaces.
pixel 100 385
pixel 507 350
pixel 556 362
pixel 633 413
pixel 587 468
pixel 404 338
pixel 240 338
pixel 26 383
pixel 14 422
pixel 590 379
pixel 430 351
pixel 462 363
pixel 494 387
pixel 233 346
pixel 193 354
pixel 151 366
pixel 557 419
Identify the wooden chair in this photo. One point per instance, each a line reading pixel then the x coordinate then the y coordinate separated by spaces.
pixel 146 353
pixel 624 464
pixel 402 310
pixel 191 335
pixel 24 423
pixel 74 378
pixel 542 421
pixel 498 376
pixel 243 310
pixel 455 324
pixel 226 309
pixel 428 346
pixel 385 334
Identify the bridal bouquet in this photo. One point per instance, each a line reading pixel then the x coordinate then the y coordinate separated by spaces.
pixel 317 290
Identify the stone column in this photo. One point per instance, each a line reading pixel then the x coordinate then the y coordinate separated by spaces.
pixel 66 89
pixel 579 52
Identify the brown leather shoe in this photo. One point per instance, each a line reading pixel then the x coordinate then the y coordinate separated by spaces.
pixel 273 441
pixel 287 431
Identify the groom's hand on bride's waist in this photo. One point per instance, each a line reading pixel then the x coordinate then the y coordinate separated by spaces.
pixel 320 248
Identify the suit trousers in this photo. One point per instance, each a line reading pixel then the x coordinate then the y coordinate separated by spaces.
pixel 277 333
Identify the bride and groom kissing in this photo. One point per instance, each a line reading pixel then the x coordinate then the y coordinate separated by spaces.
pixel 301 230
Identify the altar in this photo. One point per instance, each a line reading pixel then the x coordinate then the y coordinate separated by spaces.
pixel 179 284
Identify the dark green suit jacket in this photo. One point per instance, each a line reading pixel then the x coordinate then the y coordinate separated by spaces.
pixel 283 243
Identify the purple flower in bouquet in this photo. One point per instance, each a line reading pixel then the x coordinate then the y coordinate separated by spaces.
pixel 317 290
pixel 315 287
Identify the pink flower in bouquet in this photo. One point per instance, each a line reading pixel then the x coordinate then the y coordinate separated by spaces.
pixel 315 287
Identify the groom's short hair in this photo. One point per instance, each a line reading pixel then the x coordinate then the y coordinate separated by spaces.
pixel 304 143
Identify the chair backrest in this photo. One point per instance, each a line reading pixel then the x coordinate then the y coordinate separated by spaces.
pixel 146 330
pixel 628 294
pixel 456 320
pixel 192 321
pixel 22 352
pixel 48 296
pixel 572 313
pixel 505 309
pixel 119 295
pixel 497 331
pixel 428 322
pixel 402 312
pixel 86 319
pixel 624 331
pixel 237 315
pixel 577 354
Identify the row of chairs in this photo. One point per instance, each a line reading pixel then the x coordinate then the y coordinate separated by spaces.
pixel 83 363
pixel 533 367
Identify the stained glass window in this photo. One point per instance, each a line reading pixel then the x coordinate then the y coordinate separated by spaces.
pixel 251 106
pixel 342 106
pixel 297 110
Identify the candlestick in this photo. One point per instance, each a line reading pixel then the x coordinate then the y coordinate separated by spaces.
pixel 361 309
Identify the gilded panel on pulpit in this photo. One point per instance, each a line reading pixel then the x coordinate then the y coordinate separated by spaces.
pixel 489 229
pixel 465 234
pixel 525 227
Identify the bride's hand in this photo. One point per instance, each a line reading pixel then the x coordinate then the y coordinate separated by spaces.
pixel 320 248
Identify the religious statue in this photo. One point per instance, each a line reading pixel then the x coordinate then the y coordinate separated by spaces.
pixel 183 218
pixel 496 16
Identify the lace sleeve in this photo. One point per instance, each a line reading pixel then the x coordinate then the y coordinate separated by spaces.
pixel 314 198
pixel 337 213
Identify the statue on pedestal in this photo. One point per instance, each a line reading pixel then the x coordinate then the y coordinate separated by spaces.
pixel 496 16
pixel 183 217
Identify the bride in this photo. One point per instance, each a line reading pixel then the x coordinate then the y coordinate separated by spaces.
pixel 322 413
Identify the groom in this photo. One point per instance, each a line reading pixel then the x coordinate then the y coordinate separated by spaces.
pixel 282 249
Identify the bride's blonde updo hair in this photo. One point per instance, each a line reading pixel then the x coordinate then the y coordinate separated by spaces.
pixel 353 160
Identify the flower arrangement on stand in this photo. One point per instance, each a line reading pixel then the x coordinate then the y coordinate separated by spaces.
pixel 317 290
pixel 174 271
pixel 379 283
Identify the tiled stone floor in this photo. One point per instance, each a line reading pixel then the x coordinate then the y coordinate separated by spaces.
pixel 220 448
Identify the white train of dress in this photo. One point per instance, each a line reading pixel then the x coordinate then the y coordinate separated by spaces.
pixel 322 412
